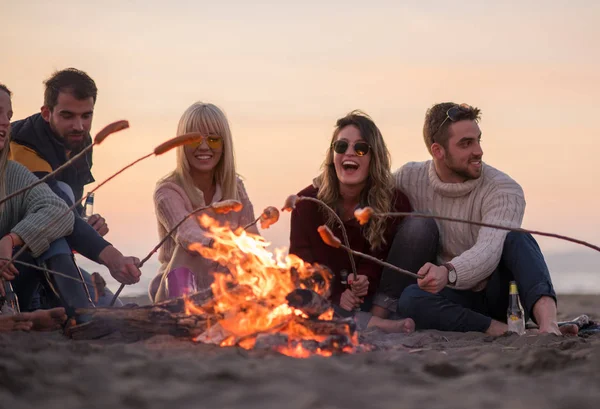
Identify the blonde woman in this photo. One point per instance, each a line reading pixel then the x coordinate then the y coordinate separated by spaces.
pixel 356 173
pixel 204 173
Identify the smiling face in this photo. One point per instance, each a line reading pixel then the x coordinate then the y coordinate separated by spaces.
pixel 205 157
pixel 462 157
pixel 6 114
pixel 352 170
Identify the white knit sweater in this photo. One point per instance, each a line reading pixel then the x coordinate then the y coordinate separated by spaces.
pixel 492 198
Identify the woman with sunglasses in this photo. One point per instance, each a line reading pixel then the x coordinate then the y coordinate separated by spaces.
pixel 356 173
pixel 204 174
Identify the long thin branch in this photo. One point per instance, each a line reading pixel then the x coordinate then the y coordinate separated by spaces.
pixel 491 225
pixel 169 233
pixel 343 229
pixel 100 136
pixel 380 262
pixel 47 270
pixel 70 209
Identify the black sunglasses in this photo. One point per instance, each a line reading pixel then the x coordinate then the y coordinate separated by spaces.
pixel 454 113
pixel 360 148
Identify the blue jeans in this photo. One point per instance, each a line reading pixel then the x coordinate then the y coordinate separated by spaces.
pixel 415 243
pixel 463 311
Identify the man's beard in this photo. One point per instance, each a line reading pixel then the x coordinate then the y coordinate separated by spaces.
pixel 462 171
pixel 71 146
pixel 74 146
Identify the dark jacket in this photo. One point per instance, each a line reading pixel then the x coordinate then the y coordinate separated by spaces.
pixel 36 146
pixel 306 243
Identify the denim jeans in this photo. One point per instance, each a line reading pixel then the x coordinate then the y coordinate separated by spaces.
pixel 463 311
pixel 415 243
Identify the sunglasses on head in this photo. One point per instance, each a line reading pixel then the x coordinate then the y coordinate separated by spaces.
pixel 360 148
pixel 455 113
pixel 214 142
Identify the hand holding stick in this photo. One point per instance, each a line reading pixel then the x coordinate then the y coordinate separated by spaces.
pixel 159 150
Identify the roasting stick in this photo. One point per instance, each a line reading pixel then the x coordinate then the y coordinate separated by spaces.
pixel 159 150
pixel 100 136
pixel 290 204
pixel 222 207
pixel 98 139
pixel 363 215
pixel 328 238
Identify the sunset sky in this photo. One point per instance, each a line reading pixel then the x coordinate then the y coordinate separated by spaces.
pixel 285 71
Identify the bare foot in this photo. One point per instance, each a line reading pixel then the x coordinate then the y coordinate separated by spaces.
pixel 48 320
pixel 404 326
pixel 553 328
pixel 18 322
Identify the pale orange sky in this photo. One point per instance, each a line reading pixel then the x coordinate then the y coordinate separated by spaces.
pixel 284 72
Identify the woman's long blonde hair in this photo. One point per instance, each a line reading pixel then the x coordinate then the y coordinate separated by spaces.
pixel 379 190
pixel 208 119
pixel 4 154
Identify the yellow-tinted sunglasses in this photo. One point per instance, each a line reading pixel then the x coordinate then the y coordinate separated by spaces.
pixel 214 142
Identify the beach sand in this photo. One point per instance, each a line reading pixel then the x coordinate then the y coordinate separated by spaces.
pixel 422 370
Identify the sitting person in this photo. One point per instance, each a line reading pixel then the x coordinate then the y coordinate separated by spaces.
pixel 204 174
pixel 36 218
pixel 477 263
pixel 45 141
pixel 356 173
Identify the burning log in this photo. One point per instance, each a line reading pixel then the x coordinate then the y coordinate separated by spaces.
pixel 138 323
pixel 309 302
pixel 169 317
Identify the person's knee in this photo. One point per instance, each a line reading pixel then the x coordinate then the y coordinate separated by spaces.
pixel 520 241
pixel 418 227
pixel 410 299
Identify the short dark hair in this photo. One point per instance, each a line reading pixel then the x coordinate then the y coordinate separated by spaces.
pixel 70 80
pixel 5 89
pixel 435 128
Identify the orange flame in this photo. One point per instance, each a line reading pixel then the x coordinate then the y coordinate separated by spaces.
pixel 252 297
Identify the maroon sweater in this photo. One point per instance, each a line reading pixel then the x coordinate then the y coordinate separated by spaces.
pixel 306 243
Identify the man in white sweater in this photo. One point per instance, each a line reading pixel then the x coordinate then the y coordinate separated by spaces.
pixel 476 263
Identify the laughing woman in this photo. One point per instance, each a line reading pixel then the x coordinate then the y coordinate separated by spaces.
pixel 204 174
pixel 356 173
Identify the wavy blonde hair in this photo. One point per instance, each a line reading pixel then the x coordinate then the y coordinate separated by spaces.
pixel 207 119
pixel 378 192
pixel 4 154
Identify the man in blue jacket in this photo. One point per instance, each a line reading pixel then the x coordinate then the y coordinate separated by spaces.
pixel 45 141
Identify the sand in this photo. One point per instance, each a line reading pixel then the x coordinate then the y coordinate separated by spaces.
pixel 427 369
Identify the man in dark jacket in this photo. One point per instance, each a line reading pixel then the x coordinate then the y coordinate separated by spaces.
pixel 45 141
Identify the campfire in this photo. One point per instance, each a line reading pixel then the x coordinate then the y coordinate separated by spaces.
pixel 268 301
pixel 260 301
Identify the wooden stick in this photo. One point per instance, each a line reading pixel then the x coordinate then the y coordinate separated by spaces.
pixel 163 148
pixel 36 267
pixel 329 238
pixel 482 224
pixel 293 201
pixel 100 136
pixel 222 207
